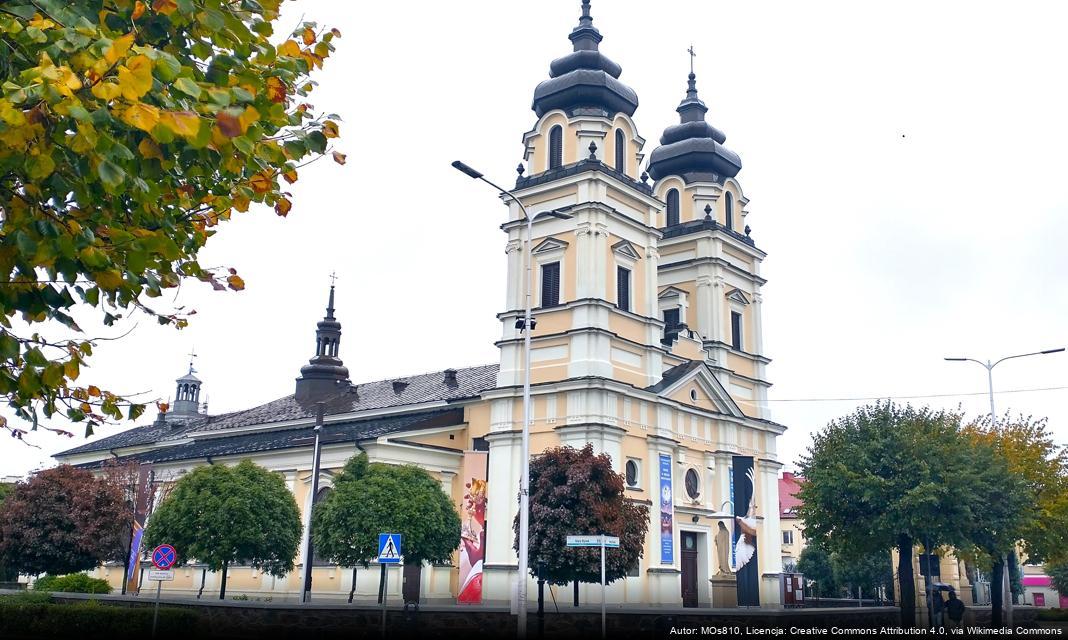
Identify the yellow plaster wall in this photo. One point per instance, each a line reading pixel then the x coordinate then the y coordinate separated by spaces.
pixel 704 401
pixel 741 365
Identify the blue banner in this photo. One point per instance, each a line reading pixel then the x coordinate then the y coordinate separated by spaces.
pixel 667 534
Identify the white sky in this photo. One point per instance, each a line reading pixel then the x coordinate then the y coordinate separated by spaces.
pixel 905 165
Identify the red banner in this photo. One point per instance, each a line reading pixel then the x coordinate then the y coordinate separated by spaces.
pixel 473 529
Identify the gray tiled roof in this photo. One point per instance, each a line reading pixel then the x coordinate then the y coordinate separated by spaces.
pixel 381 394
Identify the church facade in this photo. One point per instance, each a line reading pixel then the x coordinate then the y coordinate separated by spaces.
pixel 647 344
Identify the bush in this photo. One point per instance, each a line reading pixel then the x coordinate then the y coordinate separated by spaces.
pixel 73 583
pixel 1053 615
pixel 21 617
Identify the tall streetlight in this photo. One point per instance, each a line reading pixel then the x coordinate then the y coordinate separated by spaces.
pixel 989 366
pixel 526 326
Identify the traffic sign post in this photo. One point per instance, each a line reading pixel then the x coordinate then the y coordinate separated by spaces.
pixel 389 552
pixel 163 558
pixel 604 542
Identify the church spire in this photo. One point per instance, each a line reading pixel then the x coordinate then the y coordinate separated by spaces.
pixel 325 372
pixel 585 36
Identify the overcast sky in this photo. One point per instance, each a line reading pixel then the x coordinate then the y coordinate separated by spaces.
pixel 905 165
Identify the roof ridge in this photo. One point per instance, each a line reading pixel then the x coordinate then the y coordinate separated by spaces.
pixel 427 373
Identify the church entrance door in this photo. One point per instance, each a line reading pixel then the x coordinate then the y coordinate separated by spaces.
pixel 689 569
pixel 410 590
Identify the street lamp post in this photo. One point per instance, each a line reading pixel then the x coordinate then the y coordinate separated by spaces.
pixel 989 366
pixel 526 326
pixel 305 591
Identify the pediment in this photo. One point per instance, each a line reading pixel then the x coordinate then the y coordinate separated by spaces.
pixel 626 249
pixel 550 244
pixel 736 295
pixel 696 375
pixel 671 292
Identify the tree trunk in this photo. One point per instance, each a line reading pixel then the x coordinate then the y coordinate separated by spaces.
pixel 997 590
pixel 907 580
pixel 222 589
pixel 203 579
pixel 353 592
pixel 576 593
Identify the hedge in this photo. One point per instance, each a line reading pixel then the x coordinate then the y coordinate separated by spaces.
pixel 28 617
pixel 1053 615
pixel 73 583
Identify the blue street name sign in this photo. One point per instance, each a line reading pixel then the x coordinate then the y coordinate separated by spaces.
pixel 389 548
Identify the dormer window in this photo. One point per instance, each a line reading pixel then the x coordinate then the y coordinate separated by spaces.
pixel 672 207
pixel 728 203
pixel 621 151
pixel 556 147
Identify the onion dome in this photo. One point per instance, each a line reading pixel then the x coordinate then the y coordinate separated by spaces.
pixel 693 148
pixel 585 81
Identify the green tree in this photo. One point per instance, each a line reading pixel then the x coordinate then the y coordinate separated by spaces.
pixel 815 565
pixel 574 492
pixel 1058 572
pixel 63 520
pixel 373 498
pixel 129 130
pixel 867 572
pixel 7 574
pixel 221 515
pixel 889 476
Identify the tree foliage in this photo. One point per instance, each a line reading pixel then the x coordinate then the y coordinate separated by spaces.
pixel 867 572
pixel 574 492
pixel 815 565
pixel 889 476
pixel 220 515
pixel 373 498
pixel 62 520
pixel 129 130
pixel 1058 572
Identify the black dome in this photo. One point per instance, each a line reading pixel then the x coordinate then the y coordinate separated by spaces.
pixel 693 148
pixel 585 80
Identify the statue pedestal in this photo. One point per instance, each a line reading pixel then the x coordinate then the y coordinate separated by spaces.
pixel 724 592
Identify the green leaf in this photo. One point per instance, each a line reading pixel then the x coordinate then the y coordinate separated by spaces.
pixel 110 174
pixel 188 87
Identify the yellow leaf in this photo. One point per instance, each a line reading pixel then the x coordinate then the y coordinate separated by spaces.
pixel 106 90
pixel 229 124
pixel 340 157
pixel 150 149
pixel 261 183
pixel 241 203
pixel 290 176
pixel 283 206
pixel 141 115
pixel 289 48
pixel 308 35
pixel 276 90
pixel 86 408
pixel 119 47
pixel 183 123
pixel 94 391
pixel 235 282
pixel 41 22
pixel 248 118
pixel 330 129
pixel 166 7
pixel 108 280
pixel 135 79
pixel 85 140
pixel 139 10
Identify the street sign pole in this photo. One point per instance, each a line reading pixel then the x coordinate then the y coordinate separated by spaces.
pixel 155 614
pixel 603 601
pixel 385 595
pixel 390 550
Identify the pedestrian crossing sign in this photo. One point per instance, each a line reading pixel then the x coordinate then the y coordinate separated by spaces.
pixel 389 548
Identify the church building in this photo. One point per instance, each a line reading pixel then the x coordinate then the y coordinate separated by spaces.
pixel 647 344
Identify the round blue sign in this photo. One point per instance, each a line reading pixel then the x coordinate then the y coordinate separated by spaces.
pixel 164 556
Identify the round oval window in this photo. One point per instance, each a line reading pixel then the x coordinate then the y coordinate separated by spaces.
pixel 693 395
pixel 632 473
pixel 693 488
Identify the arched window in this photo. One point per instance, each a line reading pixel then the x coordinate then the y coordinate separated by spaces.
pixel 729 205
pixel 556 147
pixel 673 207
pixel 621 151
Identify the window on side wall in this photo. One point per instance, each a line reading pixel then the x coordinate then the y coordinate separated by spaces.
pixel 623 288
pixel 736 331
pixel 556 147
pixel 550 284
pixel 672 207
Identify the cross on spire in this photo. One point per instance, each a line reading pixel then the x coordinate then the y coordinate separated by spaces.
pixel 192 354
pixel 333 278
pixel 693 55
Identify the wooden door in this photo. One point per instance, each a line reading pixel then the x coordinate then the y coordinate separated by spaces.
pixel 689 569
pixel 410 588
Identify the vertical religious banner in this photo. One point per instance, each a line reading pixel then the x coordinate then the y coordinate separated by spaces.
pixel 142 491
pixel 667 512
pixel 133 564
pixel 473 527
pixel 745 532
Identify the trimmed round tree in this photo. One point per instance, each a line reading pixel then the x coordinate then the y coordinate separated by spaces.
pixel 575 492
pixel 63 520
pixel 220 515
pixel 370 498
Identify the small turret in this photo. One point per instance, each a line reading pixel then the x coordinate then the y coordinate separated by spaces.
pixel 325 373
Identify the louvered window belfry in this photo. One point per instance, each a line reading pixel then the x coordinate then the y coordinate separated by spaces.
pixel 673 207
pixel 623 288
pixel 621 151
pixel 550 284
pixel 729 204
pixel 556 147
